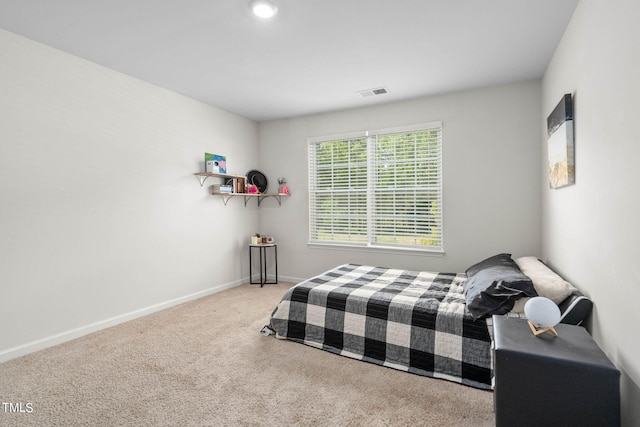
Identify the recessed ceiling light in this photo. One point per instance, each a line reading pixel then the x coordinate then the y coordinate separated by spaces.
pixel 264 9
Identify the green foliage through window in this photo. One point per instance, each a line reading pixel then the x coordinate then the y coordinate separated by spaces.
pixel 383 189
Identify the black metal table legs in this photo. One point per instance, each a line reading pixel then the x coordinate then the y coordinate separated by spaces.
pixel 262 250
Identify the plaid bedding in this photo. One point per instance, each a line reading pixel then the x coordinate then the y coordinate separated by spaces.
pixel 413 321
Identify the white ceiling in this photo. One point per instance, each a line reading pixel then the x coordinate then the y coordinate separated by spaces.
pixel 314 56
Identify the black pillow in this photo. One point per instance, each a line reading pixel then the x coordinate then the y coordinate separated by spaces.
pixel 575 309
pixel 493 286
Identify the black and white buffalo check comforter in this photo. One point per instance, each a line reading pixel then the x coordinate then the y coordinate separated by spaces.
pixel 414 321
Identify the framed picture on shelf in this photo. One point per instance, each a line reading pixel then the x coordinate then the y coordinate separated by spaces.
pixel 215 163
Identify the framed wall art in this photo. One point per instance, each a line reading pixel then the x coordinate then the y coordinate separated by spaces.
pixel 562 169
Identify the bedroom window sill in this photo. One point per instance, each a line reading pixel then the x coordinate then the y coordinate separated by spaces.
pixel 377 249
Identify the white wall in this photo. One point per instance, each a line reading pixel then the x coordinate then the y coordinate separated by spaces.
pixel 591 230
pixel 490 177
pixel 101 218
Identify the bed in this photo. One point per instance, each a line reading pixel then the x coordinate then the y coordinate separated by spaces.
pixel 415 321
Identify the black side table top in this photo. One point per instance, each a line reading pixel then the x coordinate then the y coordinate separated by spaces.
pixel 573 343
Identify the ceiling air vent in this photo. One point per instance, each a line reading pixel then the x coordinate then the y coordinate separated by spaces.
pixel 371 92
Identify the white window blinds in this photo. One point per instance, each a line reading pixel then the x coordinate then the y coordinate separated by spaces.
pixel 338 191
pixel 382 189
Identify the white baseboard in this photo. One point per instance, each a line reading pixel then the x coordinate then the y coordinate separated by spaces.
pixel 289 279
pixel 256 279
pixel 60 338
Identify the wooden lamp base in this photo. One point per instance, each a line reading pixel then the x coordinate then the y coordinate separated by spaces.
pixel 538 331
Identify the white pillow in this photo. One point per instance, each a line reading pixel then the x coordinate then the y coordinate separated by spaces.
pixel 547 283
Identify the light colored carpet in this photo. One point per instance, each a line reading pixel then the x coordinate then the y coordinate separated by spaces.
pixel 205 363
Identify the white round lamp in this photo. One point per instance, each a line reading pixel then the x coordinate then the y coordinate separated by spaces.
pixel 543 315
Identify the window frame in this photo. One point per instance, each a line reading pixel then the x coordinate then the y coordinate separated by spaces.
pixel 371 137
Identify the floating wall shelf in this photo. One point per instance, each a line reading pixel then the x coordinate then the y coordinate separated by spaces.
pixel 202 177
pixel 248 196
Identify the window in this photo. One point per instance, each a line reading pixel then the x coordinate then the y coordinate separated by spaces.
pixel 377 189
